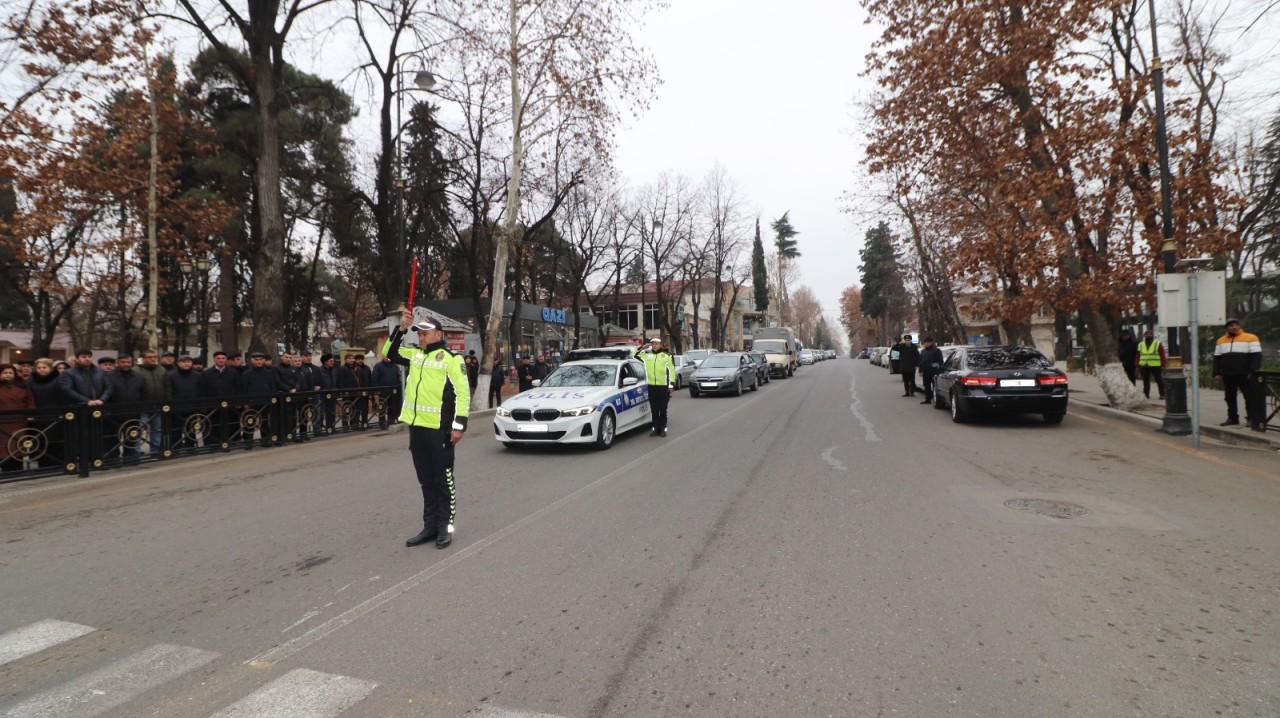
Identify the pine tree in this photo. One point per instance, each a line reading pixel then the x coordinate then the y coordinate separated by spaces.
pixel 759 274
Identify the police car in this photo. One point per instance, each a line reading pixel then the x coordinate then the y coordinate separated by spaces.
pixel 590 399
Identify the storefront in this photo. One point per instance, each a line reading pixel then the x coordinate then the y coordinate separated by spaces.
pixel 540 330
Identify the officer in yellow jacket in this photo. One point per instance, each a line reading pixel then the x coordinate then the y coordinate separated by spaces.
pixel 437 396
pixel 660 373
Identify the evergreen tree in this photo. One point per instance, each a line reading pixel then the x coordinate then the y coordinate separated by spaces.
pixel 759 275
pixel 883 292
pixel 785 232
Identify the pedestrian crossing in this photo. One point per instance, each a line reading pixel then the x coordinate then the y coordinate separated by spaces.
pixel 299 693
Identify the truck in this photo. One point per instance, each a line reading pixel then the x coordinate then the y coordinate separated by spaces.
pixel 778 344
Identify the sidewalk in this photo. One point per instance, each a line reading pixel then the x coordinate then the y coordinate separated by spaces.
pixel 1087 392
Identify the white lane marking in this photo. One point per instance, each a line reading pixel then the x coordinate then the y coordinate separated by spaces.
pixel 868 431
pixel 293 645
pixel 40 635
pixel 494 712
pixel 833 461
pixel 307 617
pixel 301 693
pixel 106 688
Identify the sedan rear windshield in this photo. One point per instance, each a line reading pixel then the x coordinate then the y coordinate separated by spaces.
pixel 1007 357
pixel 721 361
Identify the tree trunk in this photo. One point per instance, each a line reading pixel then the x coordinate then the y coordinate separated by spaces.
pixel 268 257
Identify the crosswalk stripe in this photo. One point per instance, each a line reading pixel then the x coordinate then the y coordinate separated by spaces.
pixel 301 693
pixel 98 692
pixel 494 712
pixel 25 641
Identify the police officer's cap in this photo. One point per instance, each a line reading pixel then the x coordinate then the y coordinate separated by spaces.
pixel 426 324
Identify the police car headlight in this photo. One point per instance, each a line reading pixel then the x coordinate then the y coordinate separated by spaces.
pixel 503 411
pixel 580 411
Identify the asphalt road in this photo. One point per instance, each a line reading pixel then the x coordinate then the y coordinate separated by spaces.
pixel 821 547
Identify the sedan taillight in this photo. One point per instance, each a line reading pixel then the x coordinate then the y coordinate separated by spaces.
pixel 1055 380
pixel 979 381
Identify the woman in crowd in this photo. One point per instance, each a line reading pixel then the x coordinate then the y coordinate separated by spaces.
pixel 15 397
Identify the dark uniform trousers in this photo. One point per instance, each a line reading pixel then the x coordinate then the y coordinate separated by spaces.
pixel 659 398
pixel 433 461
pixel 1255 398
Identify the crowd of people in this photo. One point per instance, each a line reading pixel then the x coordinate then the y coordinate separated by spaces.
pixel 35 392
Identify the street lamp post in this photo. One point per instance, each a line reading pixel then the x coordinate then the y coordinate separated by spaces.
pixel 1176 420
pixel 423 80
pixel 201 266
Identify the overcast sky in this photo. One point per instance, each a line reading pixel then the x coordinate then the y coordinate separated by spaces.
pixel 767 90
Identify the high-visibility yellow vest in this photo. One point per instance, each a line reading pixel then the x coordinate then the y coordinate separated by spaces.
pixel 1149 354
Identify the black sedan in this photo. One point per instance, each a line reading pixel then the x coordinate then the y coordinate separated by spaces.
pixel 762 367
pixel 978 380
pixel 727 372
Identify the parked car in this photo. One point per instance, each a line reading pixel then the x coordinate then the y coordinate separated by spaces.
pixel 762 366
pixel 583 401
pixel 1011 379
pixel 806 357
pixel 679 361
pixel 731 372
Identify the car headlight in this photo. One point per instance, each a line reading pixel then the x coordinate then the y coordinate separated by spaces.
pixel 580 411
pixel 503 411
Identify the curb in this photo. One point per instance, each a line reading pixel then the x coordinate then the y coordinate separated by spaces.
pixel 1222 435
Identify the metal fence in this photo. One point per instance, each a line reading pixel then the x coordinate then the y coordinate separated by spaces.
pixel 79 439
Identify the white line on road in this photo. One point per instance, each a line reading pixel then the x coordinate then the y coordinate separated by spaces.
pixel 104 689
pixel 301 693
pixel 868 431
pixel 38 636
pixel 493 712
pixel 292 646
pixel 832 460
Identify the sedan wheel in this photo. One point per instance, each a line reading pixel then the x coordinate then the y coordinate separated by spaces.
pixel 693 391
pixel 957 415
pixel 605 432
pixel 737 388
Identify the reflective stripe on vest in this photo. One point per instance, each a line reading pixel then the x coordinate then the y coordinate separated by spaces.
pixel 1149 355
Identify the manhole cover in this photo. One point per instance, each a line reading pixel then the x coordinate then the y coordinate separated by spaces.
pixel 1048 507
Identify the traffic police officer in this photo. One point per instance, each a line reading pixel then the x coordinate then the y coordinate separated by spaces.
pixel 436 399
pixel 660 373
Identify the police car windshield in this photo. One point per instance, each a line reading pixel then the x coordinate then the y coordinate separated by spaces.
pixel 581 374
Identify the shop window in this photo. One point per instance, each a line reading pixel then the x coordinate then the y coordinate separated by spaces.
pixel 652 316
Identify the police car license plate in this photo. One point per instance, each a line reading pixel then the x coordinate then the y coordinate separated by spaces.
pixel 535 428
pixel 1017 382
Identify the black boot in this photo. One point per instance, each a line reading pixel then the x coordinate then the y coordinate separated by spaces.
pixel 423 536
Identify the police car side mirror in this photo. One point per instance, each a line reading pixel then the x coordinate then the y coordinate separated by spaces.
pixel 537 382
pixel 630 381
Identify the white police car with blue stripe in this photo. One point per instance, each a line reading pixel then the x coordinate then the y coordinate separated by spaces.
pixel 585 401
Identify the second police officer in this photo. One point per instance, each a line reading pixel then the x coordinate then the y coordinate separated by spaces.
pixel 660 373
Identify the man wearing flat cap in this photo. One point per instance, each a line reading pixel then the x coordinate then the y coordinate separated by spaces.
pixel 436 399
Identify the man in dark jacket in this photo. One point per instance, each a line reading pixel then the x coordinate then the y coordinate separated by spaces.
pixel 364 380
pixel 496 380
pixel 1127 351
pixel 895 352
pixel 540 368
pixel 159 393
pixel 220 383
pixel 908 360
pixel 288 381
pixel 260 382
pixel 184 382
pixel 930 367
pixel 326 375
pixel 524 373
pixel 123 428
pixel 386 377
pixel 84 383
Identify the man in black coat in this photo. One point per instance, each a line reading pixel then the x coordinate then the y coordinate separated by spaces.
pixel 185 383
pixel 386 377
pixel 260 382
pixel 1127 352
pixel 326 376
pixel 930 367
pixel 123 428
pixel 524 373
pixel 908 360
pixel 84 382
pixel 220 383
